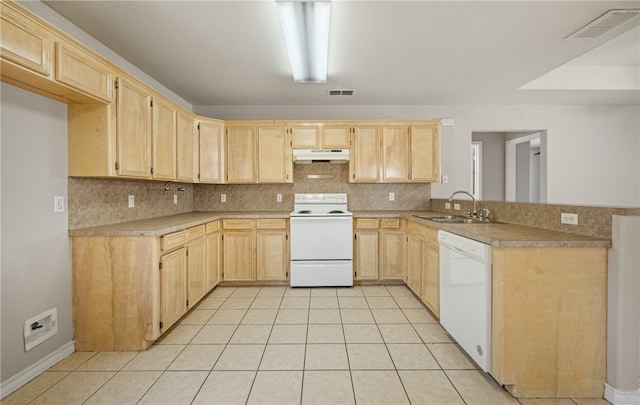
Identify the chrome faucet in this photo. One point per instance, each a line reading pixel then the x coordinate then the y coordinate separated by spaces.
pixel 475 203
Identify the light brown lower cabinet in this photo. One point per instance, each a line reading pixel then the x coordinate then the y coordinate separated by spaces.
pixel 379 249
pixel 549 326
pixel 129 290
pixel 255 249
pixel 213 250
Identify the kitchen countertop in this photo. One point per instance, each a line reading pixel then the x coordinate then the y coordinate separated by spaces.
pixel 495 234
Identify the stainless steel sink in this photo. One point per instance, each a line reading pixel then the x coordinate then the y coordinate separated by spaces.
pixel 451 219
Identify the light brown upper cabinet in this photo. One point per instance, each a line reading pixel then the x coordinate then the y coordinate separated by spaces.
pixel 25 44
pixel 275 164
pixel 401 152
pixel 425 153
pixel 164 140
pixel 364 166
pixel 187 148
pixel 211 151
pixel 258 152
pixel 133 130
pixel 241 154
pixel 78 69
pixel 319 136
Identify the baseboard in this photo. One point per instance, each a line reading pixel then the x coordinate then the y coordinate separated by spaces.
pixel 621 397
pixel 31 372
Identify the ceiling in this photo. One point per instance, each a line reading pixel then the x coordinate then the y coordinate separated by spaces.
pixel 390 52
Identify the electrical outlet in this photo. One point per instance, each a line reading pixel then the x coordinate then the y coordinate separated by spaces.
pixel 58 203
pixel 392 196
pixel 278 197
pixel 447 206
pixel 445 179
pixel 223 198
pixel 175 198
pixel 456 207
pixel 132 201
pixel 570 219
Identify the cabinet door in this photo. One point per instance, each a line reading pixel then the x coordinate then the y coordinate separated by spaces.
pixel 164 140
pixel 336 137
pixel 24 43
pixel 393 255
pixel 213 259
pixel 306 136
pixel 173 287
pixel 395 162
pixel 431 278
pixel 274 155
pixel 365 160
pixel 133 130
pixel 366 255
pixel 211 150
pixel 238 256
pixel 414 263
pixel 186 148
pixel 272 255
pixel 83 72
pixel 425 154
pixel 197 274
pixel 241 154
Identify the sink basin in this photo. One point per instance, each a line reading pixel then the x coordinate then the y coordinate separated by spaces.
pixel 451 219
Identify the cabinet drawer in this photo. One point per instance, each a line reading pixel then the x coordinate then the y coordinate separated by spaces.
pixel 367 223
pixel 390 223
pixel 195 232
pixel 271 223
pixel 212 227
pixel 237 223
pixel 173 240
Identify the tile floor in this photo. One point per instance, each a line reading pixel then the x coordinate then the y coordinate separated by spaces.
pixel 279 345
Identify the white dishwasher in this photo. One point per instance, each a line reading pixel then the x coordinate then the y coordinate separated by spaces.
pixel 465 294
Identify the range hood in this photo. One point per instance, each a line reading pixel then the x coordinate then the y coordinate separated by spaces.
pixel 321 155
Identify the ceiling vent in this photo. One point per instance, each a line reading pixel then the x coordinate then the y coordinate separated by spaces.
pixel 606 22
pixel 342 92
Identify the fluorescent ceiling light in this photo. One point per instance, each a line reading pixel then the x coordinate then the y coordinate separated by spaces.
pixel 305 25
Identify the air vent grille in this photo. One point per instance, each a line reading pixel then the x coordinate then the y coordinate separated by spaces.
pixel 605 23
pixel 341 92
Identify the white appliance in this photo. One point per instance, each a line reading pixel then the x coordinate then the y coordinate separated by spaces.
pixel 465 294
pixel 320 155
pixel 321 243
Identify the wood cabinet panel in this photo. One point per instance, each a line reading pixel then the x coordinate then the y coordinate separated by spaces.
pixel 238 256
pixel 425 153
pixel 275 163
pixel 164 140
pixel 365 163
pixel 414 264
pixel 393 255
pixel 24 43
pixel 173 240
pixel 237 223
pixel 196 270
pixel 367 223
pixel 306 136
pixel 366 255
pixel 272 250
pixel 173 287
pixel 430 288
pixel 133 130
pixel 271 223
pixel 241 154
pixel 336 137
pixel 395 159
pixel 78 69
pixel 213 259
pixel 211 152
pixel 187 147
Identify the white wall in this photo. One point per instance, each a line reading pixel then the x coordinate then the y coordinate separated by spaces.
pixel 591 157
pixel 36 250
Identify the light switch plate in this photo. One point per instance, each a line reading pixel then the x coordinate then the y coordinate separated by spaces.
pixel 132 201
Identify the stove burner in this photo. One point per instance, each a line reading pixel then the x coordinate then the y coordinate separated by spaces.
pixel 336 212
pixel 304 212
